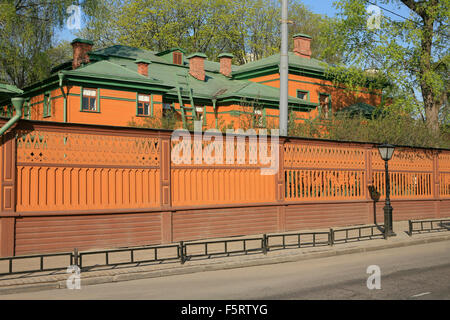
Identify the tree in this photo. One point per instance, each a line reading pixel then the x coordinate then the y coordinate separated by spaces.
pixel 249 29
pixel 27 29
pixel 413 52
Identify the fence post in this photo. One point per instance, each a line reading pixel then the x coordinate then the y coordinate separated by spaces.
pixel 75 257
pixel 368 182
pixel 182 256
pixel 165 161
pixel 436 184
pixel 8 193
pixel 264 243
pixel 410 227
pixel 331 237
pixel 280 187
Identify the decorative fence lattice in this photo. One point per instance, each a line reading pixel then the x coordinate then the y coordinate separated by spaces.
pixel 323 172
pixel 62 171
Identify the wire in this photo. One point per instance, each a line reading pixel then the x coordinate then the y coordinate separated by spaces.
pixel 400 16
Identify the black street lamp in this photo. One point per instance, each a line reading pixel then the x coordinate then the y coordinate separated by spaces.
pixel 386 152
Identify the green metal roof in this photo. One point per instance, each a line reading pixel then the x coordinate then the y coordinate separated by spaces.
pixel 8 91
pixel 301 35
pixel 361 108
pixel 197 54
pixel 225 54
pixel 274 60
pixel 82 41
pixel 118 64
pixel 170 50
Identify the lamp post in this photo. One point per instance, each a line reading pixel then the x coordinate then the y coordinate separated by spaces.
pixel 386 151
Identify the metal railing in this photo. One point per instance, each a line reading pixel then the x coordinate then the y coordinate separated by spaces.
pixel 149 254
pixel 185 251
pixel 297 240
pixel 357 233
pixel 221 247
pixel 38 259
pixel 428 225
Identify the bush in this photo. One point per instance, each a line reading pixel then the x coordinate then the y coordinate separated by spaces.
pixel 397 129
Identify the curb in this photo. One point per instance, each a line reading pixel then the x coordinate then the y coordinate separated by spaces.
pixel 213 267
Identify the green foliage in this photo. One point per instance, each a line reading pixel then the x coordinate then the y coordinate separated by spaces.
pixel 392 127
pixel 168 121
pixel 412 53
pixel 249 29
pixel 27 33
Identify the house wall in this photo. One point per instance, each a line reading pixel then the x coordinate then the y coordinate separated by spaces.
pixel 340 98
pixel 118 108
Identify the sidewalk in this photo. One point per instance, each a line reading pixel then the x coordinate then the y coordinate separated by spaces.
pixel 95 275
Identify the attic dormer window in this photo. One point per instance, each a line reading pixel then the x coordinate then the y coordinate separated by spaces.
pixel 177 57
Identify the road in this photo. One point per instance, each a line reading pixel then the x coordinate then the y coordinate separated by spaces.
pixel 414 272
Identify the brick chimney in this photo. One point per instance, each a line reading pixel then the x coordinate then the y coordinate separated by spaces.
pixel 197 65
pixel 142 66
pixel 81 47
pixel 225 64
pixel 302 45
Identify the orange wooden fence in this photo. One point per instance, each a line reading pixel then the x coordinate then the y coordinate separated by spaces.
pixel 102 185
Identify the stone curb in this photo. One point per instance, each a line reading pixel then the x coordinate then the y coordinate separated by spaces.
pixel 101 279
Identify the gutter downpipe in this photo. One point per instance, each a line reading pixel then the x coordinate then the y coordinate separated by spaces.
pixel 215 111
pixel 17 103
pixel 61 78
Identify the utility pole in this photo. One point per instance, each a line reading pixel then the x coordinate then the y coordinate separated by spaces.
pixel 284 63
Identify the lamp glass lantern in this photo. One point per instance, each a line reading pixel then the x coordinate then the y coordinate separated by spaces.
pixel 386 151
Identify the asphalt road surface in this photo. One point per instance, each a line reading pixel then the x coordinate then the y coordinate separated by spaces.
pixel 414 272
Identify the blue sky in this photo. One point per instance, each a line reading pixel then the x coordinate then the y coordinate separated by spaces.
pixel 317 6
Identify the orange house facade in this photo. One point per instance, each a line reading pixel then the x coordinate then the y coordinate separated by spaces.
pixel 125 86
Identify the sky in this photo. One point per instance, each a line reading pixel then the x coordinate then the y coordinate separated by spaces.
pixel 324 7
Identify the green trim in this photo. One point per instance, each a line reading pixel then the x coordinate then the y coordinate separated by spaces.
pixel 256 73
pixel 319 84
pixel 303 35
pixel 151 105
pixel 196 54
pixel 117 99
pixel 97 101
pixel 28 109
pixel 81 99
pixel 119 83
pixel 79 40
pixel 137 103
pixel 47 104
pixel 226 55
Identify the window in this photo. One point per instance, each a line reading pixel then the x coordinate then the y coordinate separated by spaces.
pixel 177 58
pixel 325 104
pixel 167 108
pixel 89 101
pixel 143 105
pixel 303 95
pixel 47 105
